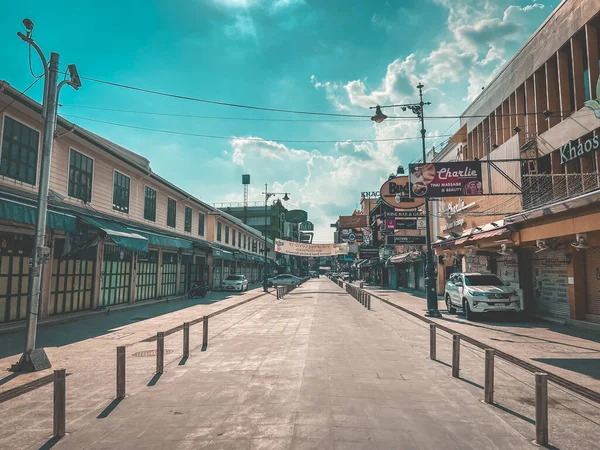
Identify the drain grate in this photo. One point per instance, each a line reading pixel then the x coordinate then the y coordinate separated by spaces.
pixel 150 353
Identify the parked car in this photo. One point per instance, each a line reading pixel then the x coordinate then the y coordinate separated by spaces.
pixel 284 280
pixel 235 283
pixel 480 293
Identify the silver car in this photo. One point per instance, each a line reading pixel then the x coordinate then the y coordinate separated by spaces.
pixel 284 280
pixel 235 283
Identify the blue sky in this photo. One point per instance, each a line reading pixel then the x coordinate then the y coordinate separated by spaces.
pixel 326 55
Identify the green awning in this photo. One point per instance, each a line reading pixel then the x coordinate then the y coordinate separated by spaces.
pixel 119 234
pixel 22 213
pixel 222 254
pixel 161 240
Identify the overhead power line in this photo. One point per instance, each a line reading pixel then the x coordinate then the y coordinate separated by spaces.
pixel 230 138
pixel 21 94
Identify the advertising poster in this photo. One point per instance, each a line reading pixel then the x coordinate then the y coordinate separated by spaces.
pixel 446 179
pixel 396 193
pixel 310 250
pixel 396 240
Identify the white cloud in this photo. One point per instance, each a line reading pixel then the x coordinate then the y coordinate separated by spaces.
pixel 380 21
pixel 242 27
pixel 332 92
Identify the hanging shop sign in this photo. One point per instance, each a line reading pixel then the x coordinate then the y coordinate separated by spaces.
pixel 398 240
pixel 401 224
pixel 307 226
pixel 446 179
pixel 421 224
pixel 310 250
pixel 396 193
pixel 370 194
pixel 351 235
pixel 368 252
pixel 454 224
pixel 355 221
pixel 394 214
pixel 571 150
pixel 296 216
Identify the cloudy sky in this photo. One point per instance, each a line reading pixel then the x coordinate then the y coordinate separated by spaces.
pixel 334 56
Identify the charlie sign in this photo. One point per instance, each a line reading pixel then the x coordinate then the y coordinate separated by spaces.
pixel 446 179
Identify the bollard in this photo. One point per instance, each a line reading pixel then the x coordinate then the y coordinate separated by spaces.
pixel 205 331
pixel 369 302
pixel 60 402
pixel 541 408
pixel 186 339
pixel 456 356
pixel 121 390
pixel 489 376
pixel 432 341
pixel 160 351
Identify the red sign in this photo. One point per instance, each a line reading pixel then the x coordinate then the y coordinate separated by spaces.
pixel 446 179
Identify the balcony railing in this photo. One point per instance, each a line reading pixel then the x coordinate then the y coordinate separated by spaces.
pixel 237 204
pixel 544 189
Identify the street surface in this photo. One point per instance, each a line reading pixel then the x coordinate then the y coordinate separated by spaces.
pixel 315 370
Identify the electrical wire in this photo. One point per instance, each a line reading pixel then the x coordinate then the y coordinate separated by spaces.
pixel 230 138
pixel 30 66
pixel 21 94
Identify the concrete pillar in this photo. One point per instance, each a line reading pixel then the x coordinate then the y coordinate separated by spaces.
pixel 539 83
pixel 562 59
pixel 47 277
pixel 519 97
pixel 134 278
pixel 487 138
pixel 512 118
pixel 577 66
pixel 469 153
pixel 591 39
pixel 530 125
pixel 178 274
pixel 577 289
pixel 497 125
pixel 98 275
pixel 505 121
pixel 552 92
pixel 159 273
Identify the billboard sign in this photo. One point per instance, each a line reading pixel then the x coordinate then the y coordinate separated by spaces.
pixel 307 226
pixel 357 221
pixel 310 250
pixel 445 179
pixel 394 214
pixel 401 224
pixel 396 193
pixel 399 240
pixel 296 216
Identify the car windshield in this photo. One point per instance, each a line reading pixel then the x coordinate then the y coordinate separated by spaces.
pixel 234 278
pixel 483 280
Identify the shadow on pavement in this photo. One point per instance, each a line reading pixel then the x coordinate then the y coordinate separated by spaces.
pixel 472 383
pixel 514 413
pixel 60 334
pixel 7 378
pixel 110 408
pixel 154 379
pixel 50 443
pixel 183 361
pixel 584 366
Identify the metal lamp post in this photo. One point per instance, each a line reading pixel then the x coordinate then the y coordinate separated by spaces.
pixel 266 269
pixel 35 359
pixel 431 291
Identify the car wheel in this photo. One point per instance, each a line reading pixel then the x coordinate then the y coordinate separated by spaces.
pixel 451 309
pixel 469 315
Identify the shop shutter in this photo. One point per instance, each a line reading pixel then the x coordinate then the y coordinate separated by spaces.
pixel 592 275
pixel 550 275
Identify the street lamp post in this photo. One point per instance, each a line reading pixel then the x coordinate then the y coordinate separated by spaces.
pixel 431 291
pixel 35 359
pixel 267 196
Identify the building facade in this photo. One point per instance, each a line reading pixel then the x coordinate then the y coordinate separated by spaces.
pixel 117 232
pixel 535 129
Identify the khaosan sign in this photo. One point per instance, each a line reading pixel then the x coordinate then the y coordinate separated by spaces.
pixel 395 192
pixel 310 250
pixel 571 150
pixel 446 179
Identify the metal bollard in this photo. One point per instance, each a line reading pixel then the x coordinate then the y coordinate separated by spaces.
pixel 186 339
pixel 541 408
pixel 432 341
pixel 489 376
pixel 160 352
pixel 121 385
pixel 369 302
pixel 456 356
pixel 60 402
pixel 205 331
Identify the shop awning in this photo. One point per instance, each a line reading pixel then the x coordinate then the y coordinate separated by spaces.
pixel 23 213
pixel 404 257
pixel 161 240
pixel 119 234
pixel 219 253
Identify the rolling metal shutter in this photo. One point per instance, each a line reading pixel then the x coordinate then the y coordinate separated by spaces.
pixel 550 276
pixel 592 278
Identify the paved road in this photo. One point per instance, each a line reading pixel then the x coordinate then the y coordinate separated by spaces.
pixel 313 371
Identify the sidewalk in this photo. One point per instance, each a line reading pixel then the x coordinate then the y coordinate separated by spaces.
pixel 315 370
pixel 566 351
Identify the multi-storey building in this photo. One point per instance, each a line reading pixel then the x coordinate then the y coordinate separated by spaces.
pixel 117 232
pixel 539 225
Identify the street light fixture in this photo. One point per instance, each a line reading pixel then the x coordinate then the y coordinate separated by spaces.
pixel 268 195
pixel 417 109
pixel 35 359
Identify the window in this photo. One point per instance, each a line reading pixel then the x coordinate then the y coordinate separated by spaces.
pixel 233 237
pixel 121 192
pixel 200 224
pixel 149 204
pixel 239 239
pixel 187 224
pixel 244 242
pixel 219 231
pixel 227 234
pixel 171 212
pixel 81 170
pixel 19 151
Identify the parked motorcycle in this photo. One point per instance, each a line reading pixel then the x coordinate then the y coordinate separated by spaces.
pixel 198 290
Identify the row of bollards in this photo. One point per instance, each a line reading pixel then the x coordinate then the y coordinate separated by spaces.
pixel 363 297
pixel 284 290
pixel 541 382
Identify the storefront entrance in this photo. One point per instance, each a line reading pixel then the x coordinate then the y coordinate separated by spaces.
pixel 116 276
pixel 14 276
pixel 550 275
pixel 147 275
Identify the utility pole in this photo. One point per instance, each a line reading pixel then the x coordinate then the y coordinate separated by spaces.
pixel 430 282
pixel 35 359
pixel 267 196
